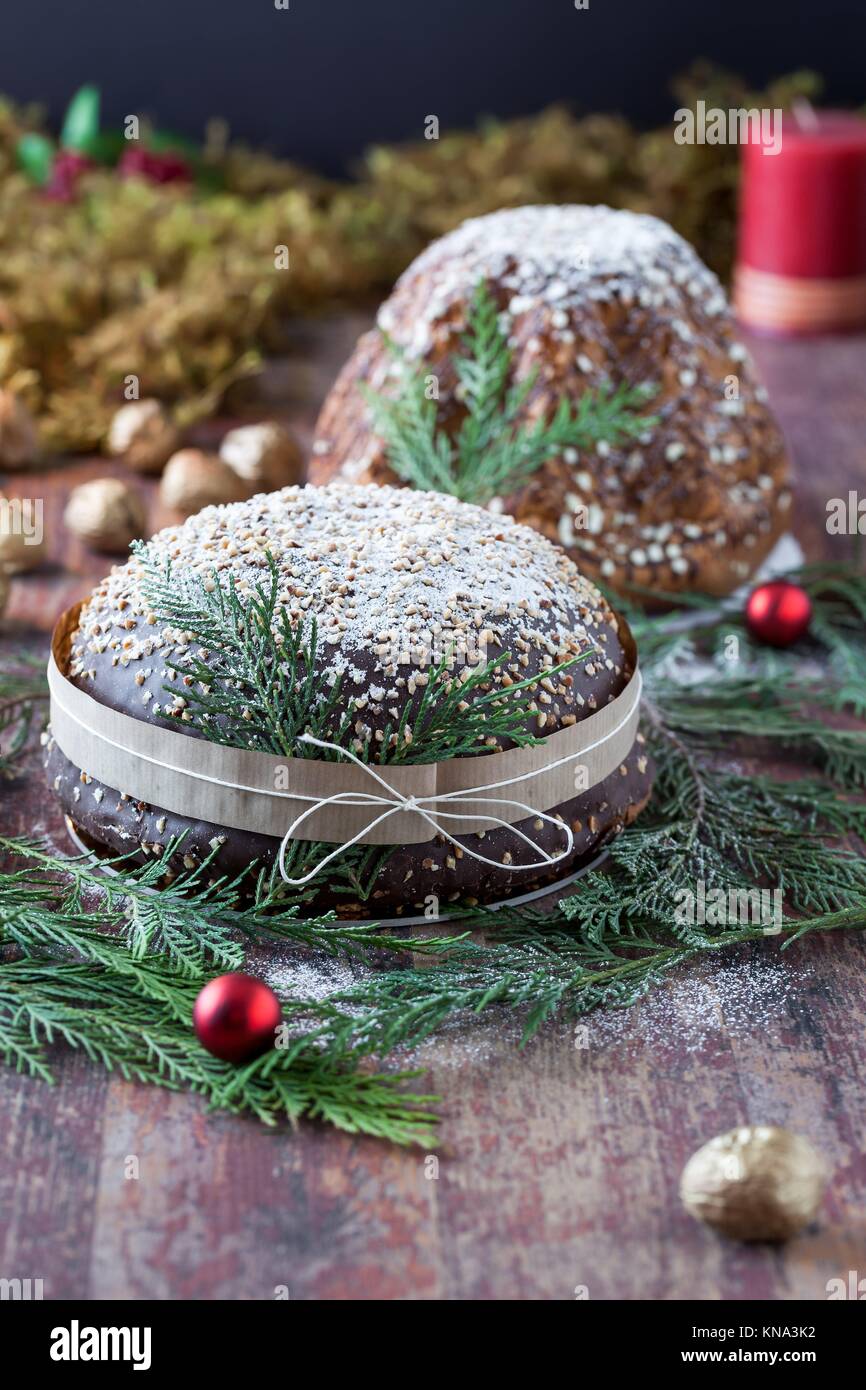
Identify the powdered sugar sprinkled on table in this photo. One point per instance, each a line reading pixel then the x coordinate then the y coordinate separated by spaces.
pixel 704 1006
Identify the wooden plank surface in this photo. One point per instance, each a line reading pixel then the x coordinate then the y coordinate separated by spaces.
pixel 560 1162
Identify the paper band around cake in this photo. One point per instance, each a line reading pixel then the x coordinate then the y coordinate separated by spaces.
pixel 237 788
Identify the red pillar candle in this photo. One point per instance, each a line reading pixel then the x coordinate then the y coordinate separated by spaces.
pixel 801 259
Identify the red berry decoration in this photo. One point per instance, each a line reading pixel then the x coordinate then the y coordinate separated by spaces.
pixel 235 1017
pixel 154 165
pixel 778 613
pixel 68 167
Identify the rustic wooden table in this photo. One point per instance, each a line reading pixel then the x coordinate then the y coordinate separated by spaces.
pixel 560 1163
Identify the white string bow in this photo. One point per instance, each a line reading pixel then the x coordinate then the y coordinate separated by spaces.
pixel 429 808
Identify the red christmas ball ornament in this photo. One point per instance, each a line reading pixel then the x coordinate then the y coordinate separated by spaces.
pixel 778 612
pixel 235 1017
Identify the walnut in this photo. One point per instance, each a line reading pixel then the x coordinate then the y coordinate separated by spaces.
pixel 19 446
pixel 194 479
pixel 22 540
pixel 144 434
pixel 106 514
pixel 755 1183
pixel 266 455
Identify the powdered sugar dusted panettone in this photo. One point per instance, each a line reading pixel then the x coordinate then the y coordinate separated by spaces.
pixel 395 580
pixel 589 295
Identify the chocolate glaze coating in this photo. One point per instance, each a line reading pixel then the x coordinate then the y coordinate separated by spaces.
pixel 386 573
pixel 410 873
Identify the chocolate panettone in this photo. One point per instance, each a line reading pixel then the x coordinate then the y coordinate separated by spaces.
pixel 588 296
pixel 395 580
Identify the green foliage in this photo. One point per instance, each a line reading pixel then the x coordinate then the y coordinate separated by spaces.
pixel 255 684
pixel 113 966
pixel 737 829
pixel 195 919
pixel 35 154
pixel 458 714
pixel 141 1026
pixel 22 689
pixel 493 452
pixel 260 682
pixel 81 122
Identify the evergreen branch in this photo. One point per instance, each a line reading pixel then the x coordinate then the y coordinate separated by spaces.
pixel 16 719
pixel 493 453
pixel 193 919
pixel 257 682
pixel 22 688
pixel 103 1014
pixel 544 973
pixel 254 681
pixel 24 680
pixel 460 716
pixel 128 1005
pixel 766 711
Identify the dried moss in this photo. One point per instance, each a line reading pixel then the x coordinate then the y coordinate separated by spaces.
pixel 178 284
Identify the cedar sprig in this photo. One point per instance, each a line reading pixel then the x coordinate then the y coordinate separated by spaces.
pixel 464 714
pixel 259 681
pixel 142 1028
pixel 535 965
pixel 134 1012
pixel 494 452
pixel 23 689
pixel 256 680
pixel 196 918
pixel 558 971
pixel 113 966
pixel 771 712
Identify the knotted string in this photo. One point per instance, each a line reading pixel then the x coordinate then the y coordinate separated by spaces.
pixel 429 808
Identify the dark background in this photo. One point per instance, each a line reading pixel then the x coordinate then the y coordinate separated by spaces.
pixel 324 79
